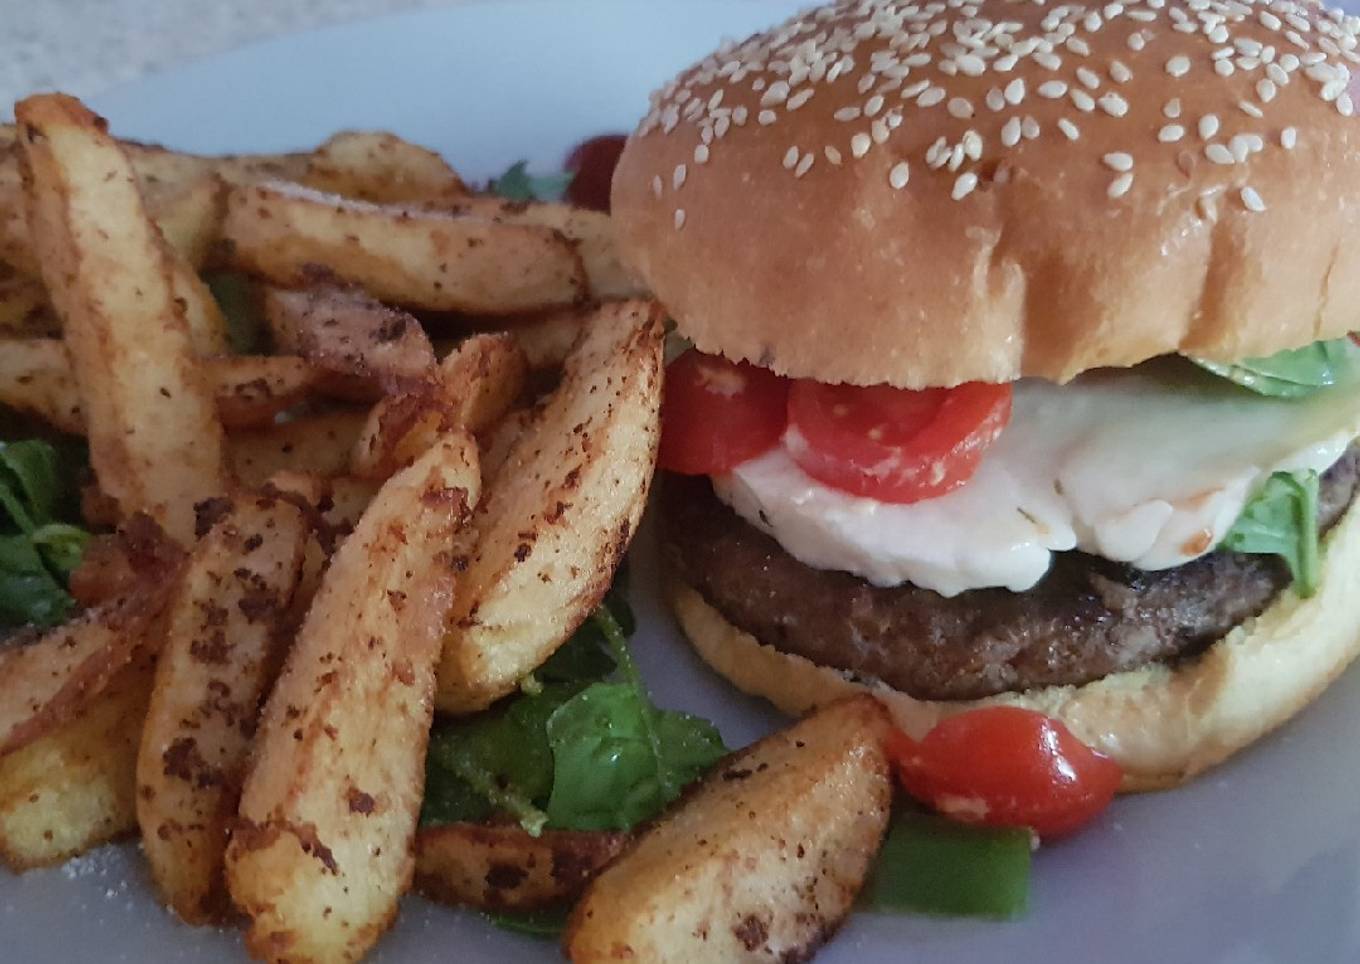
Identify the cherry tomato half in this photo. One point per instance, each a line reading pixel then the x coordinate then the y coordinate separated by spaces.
pixel 717 414
pixel 593 163
pixel 892 444
pixel 1004 766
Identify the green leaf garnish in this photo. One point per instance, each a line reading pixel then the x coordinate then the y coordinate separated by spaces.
pixel 548 923
pixel 1293 373
pixel 1282 521
pixel 517 184
pixel 29 593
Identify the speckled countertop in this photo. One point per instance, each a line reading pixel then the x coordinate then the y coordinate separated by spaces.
pixel 85 46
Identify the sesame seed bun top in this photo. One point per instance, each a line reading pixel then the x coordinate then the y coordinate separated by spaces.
pixel 926 193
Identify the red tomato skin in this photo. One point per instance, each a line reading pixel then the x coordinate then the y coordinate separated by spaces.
pixel 919 446
pixel 593 162
pixel 716 414
pixel 1005 766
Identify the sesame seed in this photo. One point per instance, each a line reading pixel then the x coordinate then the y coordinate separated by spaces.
pixel 679 218
pixel 1224 68
pixel 1251 200
pixel 1344 105
pixel 963 186
pixel 832 155
pixel 1219 34
pixel 1078 46
pixel 1288 138
pixel 1143 16
pixel 846 114
pixel 1005 63
pixel 799 99
pixel 1047 60
pixel 1029 127
pixel 790 158
pixel 1290 63
pixel 739 115
pixel 1053 89
pixel 1208 126
pixel 1250 109
pixel 899 175
pixel 878 130
pixel 960 107
pixel 1088 77
pixel 1112 104
pixel 777 93
pixel 678 178
pixel 1172 108
pixel 1118 161
pixel 996 100
pixel 1171 133
pixel 1178 66
pixel 931 97
pixel 1015 91
pixel 972 65
pixel 1120 186
pixel 804 165
pixel 865 83
pixel 1239 147
pixel 656 186
pixel 1010 132
pixel 859 145
pixel 1120 73
pixel 1069 129
pixel 1219 154
pixel 1265 89
pixel 911 90
pixel 701 154
pixel 1136 42
pixel 956 157
pixel 766 117
pixel 873 105
pixel 1083 101
pixel 972 144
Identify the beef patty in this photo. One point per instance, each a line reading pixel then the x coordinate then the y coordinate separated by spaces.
pixel 1087 618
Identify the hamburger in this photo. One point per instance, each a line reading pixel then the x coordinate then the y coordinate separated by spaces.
pixel 1020 369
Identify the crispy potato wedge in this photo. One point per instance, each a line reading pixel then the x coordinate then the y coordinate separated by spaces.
pixel 36 378
pixel 474 386
pixel 419 259
pixel 761 862
pixel 381 167
pixel 592 232
pixel 73 788
pixel 323 848
pixel 373 348
pixel 319 444
pixel 155 440
pixel 548 340
pixel 500 867
pixel 550 535
pixel 224 642
pixel 23 308
pixel 190 216
pixel 498 441
pixel 249 390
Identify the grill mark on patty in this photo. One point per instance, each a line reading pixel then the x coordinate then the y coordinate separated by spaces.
pixel 1087 618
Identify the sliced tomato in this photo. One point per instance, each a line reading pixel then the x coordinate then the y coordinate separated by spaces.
pixel 716 414
pixel 1004 766
pixel 593 162
pixel 892 444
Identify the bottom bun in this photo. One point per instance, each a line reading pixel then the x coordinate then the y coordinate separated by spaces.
pixel 1162 723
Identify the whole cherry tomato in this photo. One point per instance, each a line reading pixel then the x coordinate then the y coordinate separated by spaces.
pixel 593 163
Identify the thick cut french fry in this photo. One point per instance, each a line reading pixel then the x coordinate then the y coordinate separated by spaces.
pixel 155 439
pixel 223 646
pixel 551 532
pixel 190 216
pixel 36 378
pixel 370 347
pixel 419 259
pixel 592 232
pixel 712 881
pixel 323 849
pixel 73 788
pixel 547 341
pixel 381 167
pixel 474 386
pixel 320 444
pixel 500 867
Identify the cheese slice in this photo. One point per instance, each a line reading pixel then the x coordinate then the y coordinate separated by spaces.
pixel 1149 466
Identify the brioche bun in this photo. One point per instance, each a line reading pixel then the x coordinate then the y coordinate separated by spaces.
pixel 816 231
pixel 1162 723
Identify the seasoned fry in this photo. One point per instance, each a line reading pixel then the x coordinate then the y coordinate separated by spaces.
pixel 547 341
pixel 190 216
pixel 223 645
pixel 320 444
pixel 709 883
pixel 500 440
pixel 475 385
pixel 500 867
pixel 323 850
pixel 381 167
pixel 35 378
pixel 592 232
pixel 550 534
pixel 373 348
pixel 420 259
pixel 72 789
pixel 111 279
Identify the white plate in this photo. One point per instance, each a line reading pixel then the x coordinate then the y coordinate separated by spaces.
pixel 1259 862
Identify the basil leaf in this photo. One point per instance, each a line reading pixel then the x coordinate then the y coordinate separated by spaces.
pixel 1282 521
pixel 1292 373
pixel 62 546
pixel 517 184
pixel 29 594
pixel 31 468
